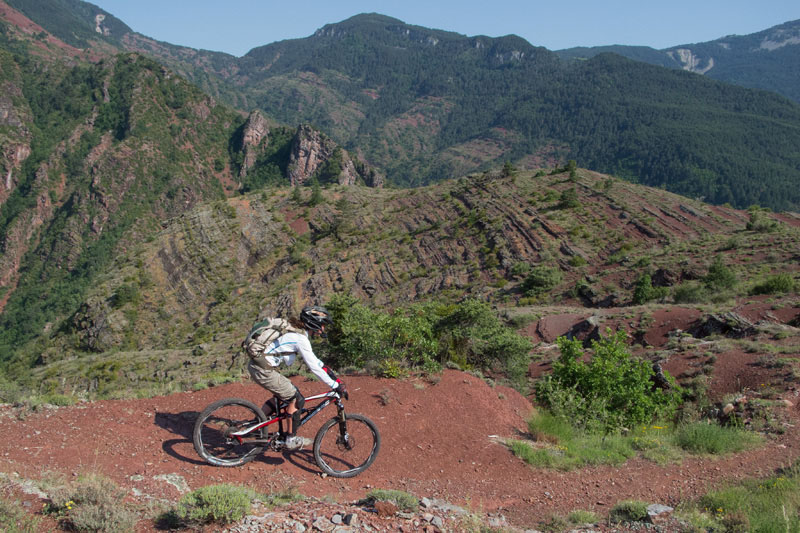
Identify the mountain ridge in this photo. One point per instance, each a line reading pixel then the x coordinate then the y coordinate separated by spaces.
pixel 422 105
pixel 768 59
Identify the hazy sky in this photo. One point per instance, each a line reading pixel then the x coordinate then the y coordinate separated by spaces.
pixel 237 26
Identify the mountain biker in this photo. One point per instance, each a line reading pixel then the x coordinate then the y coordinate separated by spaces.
pixel 285 349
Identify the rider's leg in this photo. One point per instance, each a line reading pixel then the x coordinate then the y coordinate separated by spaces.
pixel 291 409
pixel 294 410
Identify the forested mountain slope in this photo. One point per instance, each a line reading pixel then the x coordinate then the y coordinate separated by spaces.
pixel 768 59
pixel 425 105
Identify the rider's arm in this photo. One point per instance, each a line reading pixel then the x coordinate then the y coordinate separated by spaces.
pixel 313 363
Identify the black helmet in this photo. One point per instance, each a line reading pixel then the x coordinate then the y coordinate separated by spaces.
pixel 314 317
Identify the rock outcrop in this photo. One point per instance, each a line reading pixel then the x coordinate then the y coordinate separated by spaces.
pixel 256 132
pixel 14 139
pixel 312 150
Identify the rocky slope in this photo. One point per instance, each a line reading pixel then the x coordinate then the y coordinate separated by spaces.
pixel 95 157
pixel 181 301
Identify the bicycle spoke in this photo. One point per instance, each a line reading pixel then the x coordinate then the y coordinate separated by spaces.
pixel 213 439
pixel 345 455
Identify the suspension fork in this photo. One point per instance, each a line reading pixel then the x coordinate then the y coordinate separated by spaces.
pixel 343 436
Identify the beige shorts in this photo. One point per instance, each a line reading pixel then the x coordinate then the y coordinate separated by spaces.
pixel 273 381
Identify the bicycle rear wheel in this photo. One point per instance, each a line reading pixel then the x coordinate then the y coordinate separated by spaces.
pixel 213 428
pixel 346 448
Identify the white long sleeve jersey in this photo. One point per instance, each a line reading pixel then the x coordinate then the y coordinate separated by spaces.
pixel 285 349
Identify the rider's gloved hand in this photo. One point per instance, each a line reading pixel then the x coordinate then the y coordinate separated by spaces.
pixel 342 390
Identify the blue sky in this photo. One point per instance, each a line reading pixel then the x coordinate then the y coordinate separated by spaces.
pixel 236 26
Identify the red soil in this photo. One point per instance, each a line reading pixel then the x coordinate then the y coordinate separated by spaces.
pixel 438 442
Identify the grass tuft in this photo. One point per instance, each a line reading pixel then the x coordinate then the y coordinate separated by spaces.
pixel 703 438
pixel 14 519
pixel 403 500
pixel 628 511
pixel 92 503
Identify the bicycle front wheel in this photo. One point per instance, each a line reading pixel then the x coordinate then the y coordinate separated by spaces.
pixel 345 448
pixel 212 432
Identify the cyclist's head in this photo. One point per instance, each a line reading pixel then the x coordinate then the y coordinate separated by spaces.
pixel 315 318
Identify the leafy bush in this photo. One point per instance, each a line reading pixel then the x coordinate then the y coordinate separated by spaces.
pixel 760 222
pixel 520 269
pixel 778 284
pixel 611 391
pixel 719 276
pixel 689 293
pixel 569 199
pixel 645 292
pixel 577 261
pixel 363 337
pixel 125 294
pixel 215 503
pixel 471 334
pixel 10 391
pixel 540 280
pixel 423 336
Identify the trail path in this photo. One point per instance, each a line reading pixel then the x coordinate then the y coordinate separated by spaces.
pixel 438 442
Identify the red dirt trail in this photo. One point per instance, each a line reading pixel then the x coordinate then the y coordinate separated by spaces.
pixel 437 442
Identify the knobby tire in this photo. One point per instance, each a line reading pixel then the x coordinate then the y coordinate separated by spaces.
pixel 218 419
pixel 342 459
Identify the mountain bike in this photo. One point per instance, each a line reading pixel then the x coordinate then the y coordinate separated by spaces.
pixel 234 431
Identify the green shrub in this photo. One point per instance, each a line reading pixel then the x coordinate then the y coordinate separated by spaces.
pixel 628 511
pixel 703 438
pixel 719 276
pixel 540 280
pixel 778 284
pixel 405 501
pixel 362 337
pixel 569 199
pixel 611 391
pixel 689 293
pixel 471 334
pixel 644 291
pixel 577 261
pixel 223 504
pixel 423 336
pixel 760 222
pixel 10 391
pixel 125 294
pixel 520 269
